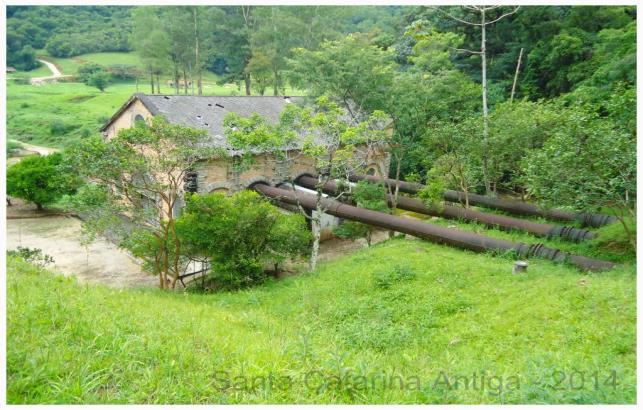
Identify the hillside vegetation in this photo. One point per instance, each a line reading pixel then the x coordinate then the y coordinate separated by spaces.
pixel 402 308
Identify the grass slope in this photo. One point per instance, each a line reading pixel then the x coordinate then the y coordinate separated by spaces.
pixel 347 333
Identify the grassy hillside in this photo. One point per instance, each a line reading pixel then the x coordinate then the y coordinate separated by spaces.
pixel 403 311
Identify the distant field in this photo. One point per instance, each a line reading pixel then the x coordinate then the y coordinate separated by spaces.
pixel 58 114
pixel 70 65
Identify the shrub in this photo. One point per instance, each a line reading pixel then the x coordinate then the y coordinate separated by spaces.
pixel 32 255
pixel 12 147
pixel 239 234
pixel 123 71
pixel 86 70
pixel 41 180
pixel 369 196
pixel 99 80
pixel 58 127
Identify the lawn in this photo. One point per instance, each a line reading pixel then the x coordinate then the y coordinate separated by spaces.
pixel 404 321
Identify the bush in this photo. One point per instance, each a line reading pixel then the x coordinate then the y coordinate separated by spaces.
pixel 58 127
pixel 369 196
pixel 12 147
pixel 123 71
pixel 41 180
pixel 86 70
pixel 99 80
pixel 32 255
pixel 240 234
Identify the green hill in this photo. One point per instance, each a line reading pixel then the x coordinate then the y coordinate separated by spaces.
pixel 403 311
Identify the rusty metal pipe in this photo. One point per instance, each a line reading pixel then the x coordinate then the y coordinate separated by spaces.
pixel 454 212
pixel 507 205
pixel 431 232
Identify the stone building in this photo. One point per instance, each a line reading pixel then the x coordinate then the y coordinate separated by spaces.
pixel 208 112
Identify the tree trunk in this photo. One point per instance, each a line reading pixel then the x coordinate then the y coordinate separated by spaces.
pixel 152 80
pixel 513 87
pixel 158 83
pixel 396 192
pixel 39 206
pixel 485 109
pixel 246 79
pixel 185 82
pixel 275 84
pixel 197 60
pixel 177 78
pixel 316 227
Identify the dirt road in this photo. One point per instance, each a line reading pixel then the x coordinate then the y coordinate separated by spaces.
pixel 59 236
pixel 55 74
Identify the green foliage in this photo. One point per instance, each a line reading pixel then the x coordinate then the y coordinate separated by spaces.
pixel 86 70
pixel 139 173
pixel 99 80
pixel 59 127
pixel 350 69
pixel 23 58
pixel 238 234
pixel 13 147
pixel 70 30
pixel 587 164
pixel 33 256
pixel 41 179
pixel 365 195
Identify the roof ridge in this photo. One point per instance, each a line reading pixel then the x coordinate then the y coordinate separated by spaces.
pixel 219 96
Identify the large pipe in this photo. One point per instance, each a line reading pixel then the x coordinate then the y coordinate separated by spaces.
pixel 454 212
pixel 434 233
pixel 507 205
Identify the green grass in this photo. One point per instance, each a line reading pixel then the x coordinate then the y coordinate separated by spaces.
pixel 402 308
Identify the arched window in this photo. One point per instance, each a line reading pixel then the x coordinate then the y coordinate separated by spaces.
pixel 138 119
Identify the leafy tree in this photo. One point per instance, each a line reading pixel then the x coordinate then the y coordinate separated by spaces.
pixel 588 165
pixel 150 42
pixel 41 179
pixel 233 34
pixel 239 234
pixel 84 71
pixel 99 80
pixel 139 173
pixel 357 74
pixel 365 195
pixel 337 145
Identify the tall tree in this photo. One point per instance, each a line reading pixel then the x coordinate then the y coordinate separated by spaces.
pixel 343 148
pixel 482 12
pixel 232 33
pixel 150 42
pixel 139 173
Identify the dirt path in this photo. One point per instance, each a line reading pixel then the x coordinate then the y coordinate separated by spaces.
pixel 29 149
pixel 56 74
pixel 52 67
pixel 39 149
pixel 58 236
